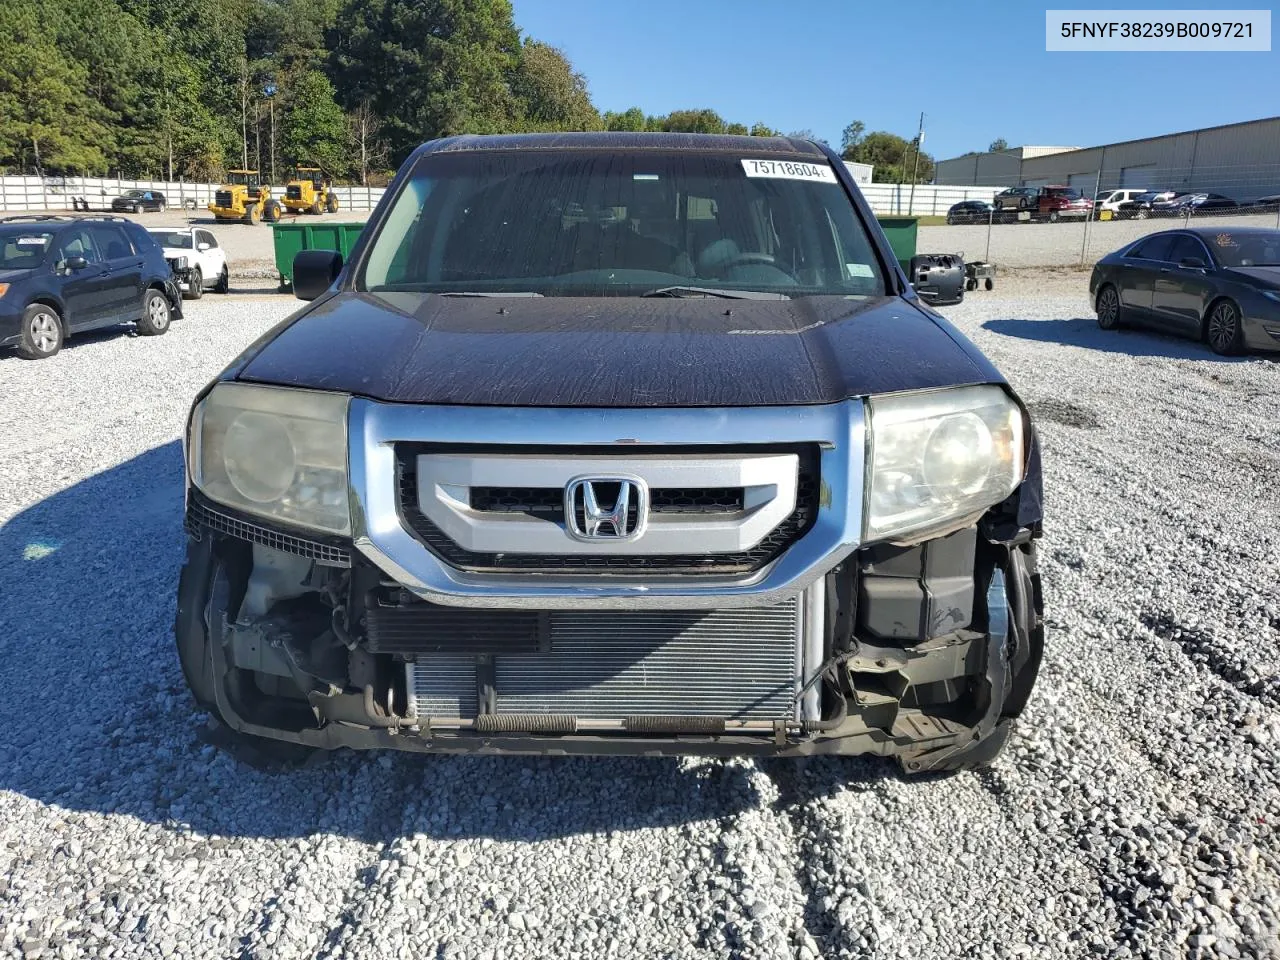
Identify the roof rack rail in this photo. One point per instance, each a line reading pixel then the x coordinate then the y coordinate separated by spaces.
pixel 34 217
pixel 39 217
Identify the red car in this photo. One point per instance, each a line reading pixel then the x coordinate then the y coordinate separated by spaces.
pixel 1059 203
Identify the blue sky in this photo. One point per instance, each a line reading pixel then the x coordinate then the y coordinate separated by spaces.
pixel 978 70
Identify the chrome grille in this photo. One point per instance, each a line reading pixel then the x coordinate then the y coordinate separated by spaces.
pixel 738 664
pixel 547 505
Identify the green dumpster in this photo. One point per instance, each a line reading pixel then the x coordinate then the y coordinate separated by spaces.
pixel 901 234
pixel 291 237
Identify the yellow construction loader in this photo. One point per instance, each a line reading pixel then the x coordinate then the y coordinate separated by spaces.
pixel 244 197
pixel 309 191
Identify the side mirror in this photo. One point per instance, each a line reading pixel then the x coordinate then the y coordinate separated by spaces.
pixel 76 263
pixel 1194 263
pixel 202 247
pixel 314 272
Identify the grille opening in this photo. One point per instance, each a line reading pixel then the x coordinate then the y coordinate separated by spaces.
pixel 547 503
pixel 542 504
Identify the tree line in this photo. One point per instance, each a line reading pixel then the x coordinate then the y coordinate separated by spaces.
pixel 187 89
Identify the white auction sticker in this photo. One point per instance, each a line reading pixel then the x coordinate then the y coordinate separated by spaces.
pixel 789 170
pixel 31 241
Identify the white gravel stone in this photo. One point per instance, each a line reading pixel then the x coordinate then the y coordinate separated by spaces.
pixel 1132 816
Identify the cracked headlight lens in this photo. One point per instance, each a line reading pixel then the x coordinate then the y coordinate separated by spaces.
pixel 274 452
pixel 939 457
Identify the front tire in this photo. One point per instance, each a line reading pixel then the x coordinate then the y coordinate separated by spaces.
pixel 1108 308
pixel 271 212
pixel 155 314
pixel 160 207
pixel 1223 329
pixel 252 215
pixel 195 285
pixel 331 203
pixel 224 282
pixel 1142 214
pixel 315 209
pixel 41 332
pixel 1053 216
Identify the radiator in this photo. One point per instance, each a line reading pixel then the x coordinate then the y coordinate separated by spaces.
pixel 738 664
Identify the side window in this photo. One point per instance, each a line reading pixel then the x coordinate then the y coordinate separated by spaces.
pixel 143 240
pixel 111 241
pixel 204 236
pixel 78 243
pixel 1153 248
pixel 1185 246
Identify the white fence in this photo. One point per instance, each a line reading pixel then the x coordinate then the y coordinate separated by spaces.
pixel 929 200
pixel 57 193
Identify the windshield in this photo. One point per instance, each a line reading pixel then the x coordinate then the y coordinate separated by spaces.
pixel 1246 248
pixel 23 249
pixel 606 223
pixel 173 238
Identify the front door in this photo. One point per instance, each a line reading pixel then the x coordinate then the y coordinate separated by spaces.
pixel 1141 267
pixel 1180 294
pixel 84 291
pixel 124 272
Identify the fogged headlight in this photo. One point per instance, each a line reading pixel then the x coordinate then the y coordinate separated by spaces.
pixel 273 452
pixel 939 457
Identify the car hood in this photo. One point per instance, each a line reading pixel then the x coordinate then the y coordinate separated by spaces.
pixel 170 252
pixel 13 276
pixel 614 352
pixel 1266 277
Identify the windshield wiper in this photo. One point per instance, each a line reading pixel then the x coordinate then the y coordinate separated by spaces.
pixel 681 291
pixel 485 293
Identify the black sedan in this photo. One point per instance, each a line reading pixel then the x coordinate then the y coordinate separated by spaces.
pixel 1139 208
pixel 1220 286
pixel 969 211
pixel 139 201
pixel 1193 204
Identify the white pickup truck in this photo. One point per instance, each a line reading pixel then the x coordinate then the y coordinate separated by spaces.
pixel 206 262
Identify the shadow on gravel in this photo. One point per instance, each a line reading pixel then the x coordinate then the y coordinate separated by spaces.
pixel 95 716
pixel 79 340
pixel 1086 333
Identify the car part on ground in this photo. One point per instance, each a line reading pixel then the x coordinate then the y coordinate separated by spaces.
pixel 939 278
pixel 979 271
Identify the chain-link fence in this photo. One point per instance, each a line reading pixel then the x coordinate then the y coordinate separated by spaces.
pixel 1081 217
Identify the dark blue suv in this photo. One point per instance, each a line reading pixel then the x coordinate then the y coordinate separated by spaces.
pixel 63 275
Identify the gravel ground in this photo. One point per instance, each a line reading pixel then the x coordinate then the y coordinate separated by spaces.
pixel 1135 814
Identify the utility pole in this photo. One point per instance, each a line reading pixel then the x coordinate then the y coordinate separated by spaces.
pixel 269 91
pixel 915 165
pixel 1097 189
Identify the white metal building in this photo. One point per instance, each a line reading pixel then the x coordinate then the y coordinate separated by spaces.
pixel 1241 160
pixel 861 172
